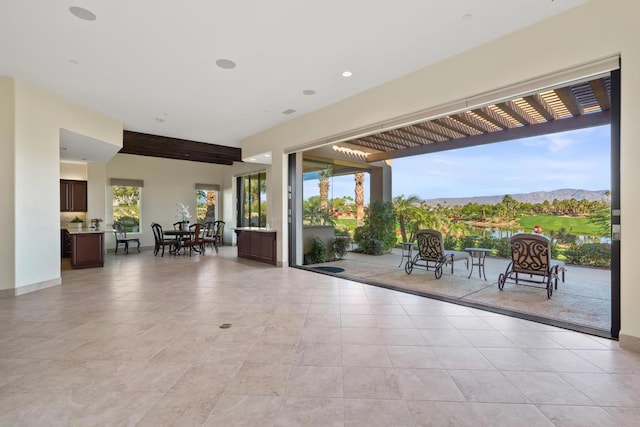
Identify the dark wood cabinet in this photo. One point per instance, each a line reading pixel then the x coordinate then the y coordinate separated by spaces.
pixel 258 245
pixel 73 195
pixel 87 250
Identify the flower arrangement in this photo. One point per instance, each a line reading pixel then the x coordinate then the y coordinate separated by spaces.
pixel 96 222
pixel 182 213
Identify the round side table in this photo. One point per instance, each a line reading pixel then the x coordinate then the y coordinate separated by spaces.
pixel 477 258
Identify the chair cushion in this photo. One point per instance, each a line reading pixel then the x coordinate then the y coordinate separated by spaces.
pixel 457 255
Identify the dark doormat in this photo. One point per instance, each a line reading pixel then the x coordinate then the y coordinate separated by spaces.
pixel 329 269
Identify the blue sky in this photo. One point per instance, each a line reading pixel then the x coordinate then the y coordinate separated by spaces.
pixel 577 159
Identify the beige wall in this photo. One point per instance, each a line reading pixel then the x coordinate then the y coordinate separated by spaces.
pixel 587 33
pixel 39 115
pixel 166 183
pixel 77 171
pixel 7 181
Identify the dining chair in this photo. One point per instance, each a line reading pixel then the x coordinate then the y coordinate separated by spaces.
pixel 160 241
pixel 121 237
pixel 194 241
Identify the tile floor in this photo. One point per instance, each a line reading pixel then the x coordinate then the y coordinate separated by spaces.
pixel 138 343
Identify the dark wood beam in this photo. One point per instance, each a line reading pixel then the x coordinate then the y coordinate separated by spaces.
pixel 515 112
pixel 563 125
pixel 392 139
pixel 537 104
pixel 420 139
pixel 491 117
pixel 144 144
pixel 569 101
pixel 446 122
pixel 473 122
pixel 600 91
pixel 397 134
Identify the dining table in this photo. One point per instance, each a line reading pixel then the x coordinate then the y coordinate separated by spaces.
pixel 179 236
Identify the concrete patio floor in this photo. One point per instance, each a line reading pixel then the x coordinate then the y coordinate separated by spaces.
pixel 584 298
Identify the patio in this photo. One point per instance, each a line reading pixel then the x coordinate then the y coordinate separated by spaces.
pixel 584 299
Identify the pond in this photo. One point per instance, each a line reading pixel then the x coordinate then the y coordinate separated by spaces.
pixel 507 232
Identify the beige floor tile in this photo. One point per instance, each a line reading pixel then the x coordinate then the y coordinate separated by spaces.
pixel 365 355
pixel 486 386
pixel 318 354
pixel 240 411
pixel 547 388
pixel 413 357
pixel 579 416
pixel 370 413
pixel 428 384
pixel 179 409
pixel 314 381
pixel 454 414
pixel 371 383
pixel 130 343
pixel 306 411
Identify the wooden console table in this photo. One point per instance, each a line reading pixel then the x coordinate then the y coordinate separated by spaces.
pixel 258 244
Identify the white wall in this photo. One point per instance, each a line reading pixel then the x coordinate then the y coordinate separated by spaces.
pixel 166 183
pixel 39 115
pixel 77 171
pixel 581 35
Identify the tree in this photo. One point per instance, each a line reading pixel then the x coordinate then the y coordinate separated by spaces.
pixel 405 210
pixel 359 177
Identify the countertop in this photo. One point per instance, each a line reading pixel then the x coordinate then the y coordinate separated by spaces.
pixel 84 231
pixel 257 229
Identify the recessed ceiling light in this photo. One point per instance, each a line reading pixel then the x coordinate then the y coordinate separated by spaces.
pixel 252 159
pixel 347 73
pixel 74 61
pixel 467 17
pixel 84 158
pixel 159 119
pixel 63 148
pixel 309 92
pixel 227 64
pixel 82 13
pixel 289 111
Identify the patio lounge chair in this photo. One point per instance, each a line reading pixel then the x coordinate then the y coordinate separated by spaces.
pixel 531 255
pixel 432 254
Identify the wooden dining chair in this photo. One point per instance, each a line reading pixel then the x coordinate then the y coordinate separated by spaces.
pixel 160 241
pixel 194 241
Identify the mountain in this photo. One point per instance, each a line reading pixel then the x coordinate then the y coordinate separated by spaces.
pixel 535 197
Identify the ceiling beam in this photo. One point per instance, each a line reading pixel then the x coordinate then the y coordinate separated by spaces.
pixel 144 144
pixel 569 101
pixel 515 112
pixel 538 105
pixel 491 117
pixel 574 123
pixel 600 91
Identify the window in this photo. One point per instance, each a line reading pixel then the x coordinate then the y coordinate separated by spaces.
pixel 126 203
pixel 252 200
pixel 206 203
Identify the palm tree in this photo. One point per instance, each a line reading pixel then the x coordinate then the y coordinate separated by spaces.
pixel 405 209
pixel 359 176
pixel 324 176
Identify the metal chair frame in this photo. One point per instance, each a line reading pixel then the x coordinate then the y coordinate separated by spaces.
pixel 531 254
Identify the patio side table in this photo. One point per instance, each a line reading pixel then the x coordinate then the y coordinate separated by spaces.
pixel 478 256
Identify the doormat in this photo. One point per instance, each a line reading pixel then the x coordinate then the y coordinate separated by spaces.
pixel 329 269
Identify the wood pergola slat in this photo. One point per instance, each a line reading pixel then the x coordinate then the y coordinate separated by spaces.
pixel 538 104
pixel 569 101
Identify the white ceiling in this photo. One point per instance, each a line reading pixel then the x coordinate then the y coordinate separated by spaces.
pixel 152 63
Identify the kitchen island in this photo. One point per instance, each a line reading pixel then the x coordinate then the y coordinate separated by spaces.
pixel 87 247
pixel 257 243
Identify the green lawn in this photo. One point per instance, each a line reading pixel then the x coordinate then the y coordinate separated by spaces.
pixel 350 223
pixel 579 225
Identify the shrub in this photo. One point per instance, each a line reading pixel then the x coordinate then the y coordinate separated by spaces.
pixel 379 225
pixel 339 245
pixel 374 247
pixel 318 252
pixel 503 247
pixel 593 254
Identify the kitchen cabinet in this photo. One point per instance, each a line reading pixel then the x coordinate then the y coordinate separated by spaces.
pixel 73 195
pixel 258 244
pixel 87 249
